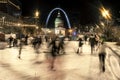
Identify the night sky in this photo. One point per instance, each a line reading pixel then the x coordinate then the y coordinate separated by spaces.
pixel 78 11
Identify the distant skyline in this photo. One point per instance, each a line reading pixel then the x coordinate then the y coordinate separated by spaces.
pixel 82 11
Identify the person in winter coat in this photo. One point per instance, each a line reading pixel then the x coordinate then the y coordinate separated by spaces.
pixel 102 56
pixel 80 43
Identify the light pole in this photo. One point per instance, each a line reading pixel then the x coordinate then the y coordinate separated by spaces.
pixel 106 14
pixel 3 23
pixel 36 16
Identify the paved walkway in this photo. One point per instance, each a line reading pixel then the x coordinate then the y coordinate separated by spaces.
pixel 34 66
pixel 114 59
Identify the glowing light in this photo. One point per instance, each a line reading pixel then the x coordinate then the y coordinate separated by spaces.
pixel 70 30
pixel 102 24
pixel 74 33
pixel 18 24
pixel 37 14
pixel 68 22
pixel 105 13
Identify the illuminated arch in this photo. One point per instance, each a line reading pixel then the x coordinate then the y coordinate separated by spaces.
pixel 68 22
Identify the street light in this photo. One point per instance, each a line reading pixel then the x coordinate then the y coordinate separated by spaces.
pixel 70 30
pixel 37 14
pixel 105 13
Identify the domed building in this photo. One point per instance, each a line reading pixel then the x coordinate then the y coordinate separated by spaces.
pixel 58 21
pixel 59 25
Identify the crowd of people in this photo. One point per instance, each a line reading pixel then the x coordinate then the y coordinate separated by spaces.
pixel 57 45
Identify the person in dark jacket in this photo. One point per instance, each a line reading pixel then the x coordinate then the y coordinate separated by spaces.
pixel 85 38
pixel 26 39
pixel 79 50
pixel 15 42
pixel 92 43
pixel 20 47
pixel 54 51
pixel 10 41
pixel 61 46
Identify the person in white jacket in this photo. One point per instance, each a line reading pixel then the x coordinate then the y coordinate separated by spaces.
pixel 102 56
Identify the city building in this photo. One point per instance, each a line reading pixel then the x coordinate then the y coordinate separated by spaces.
pixel 11 7
pixel 10 16
pixel 59 25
